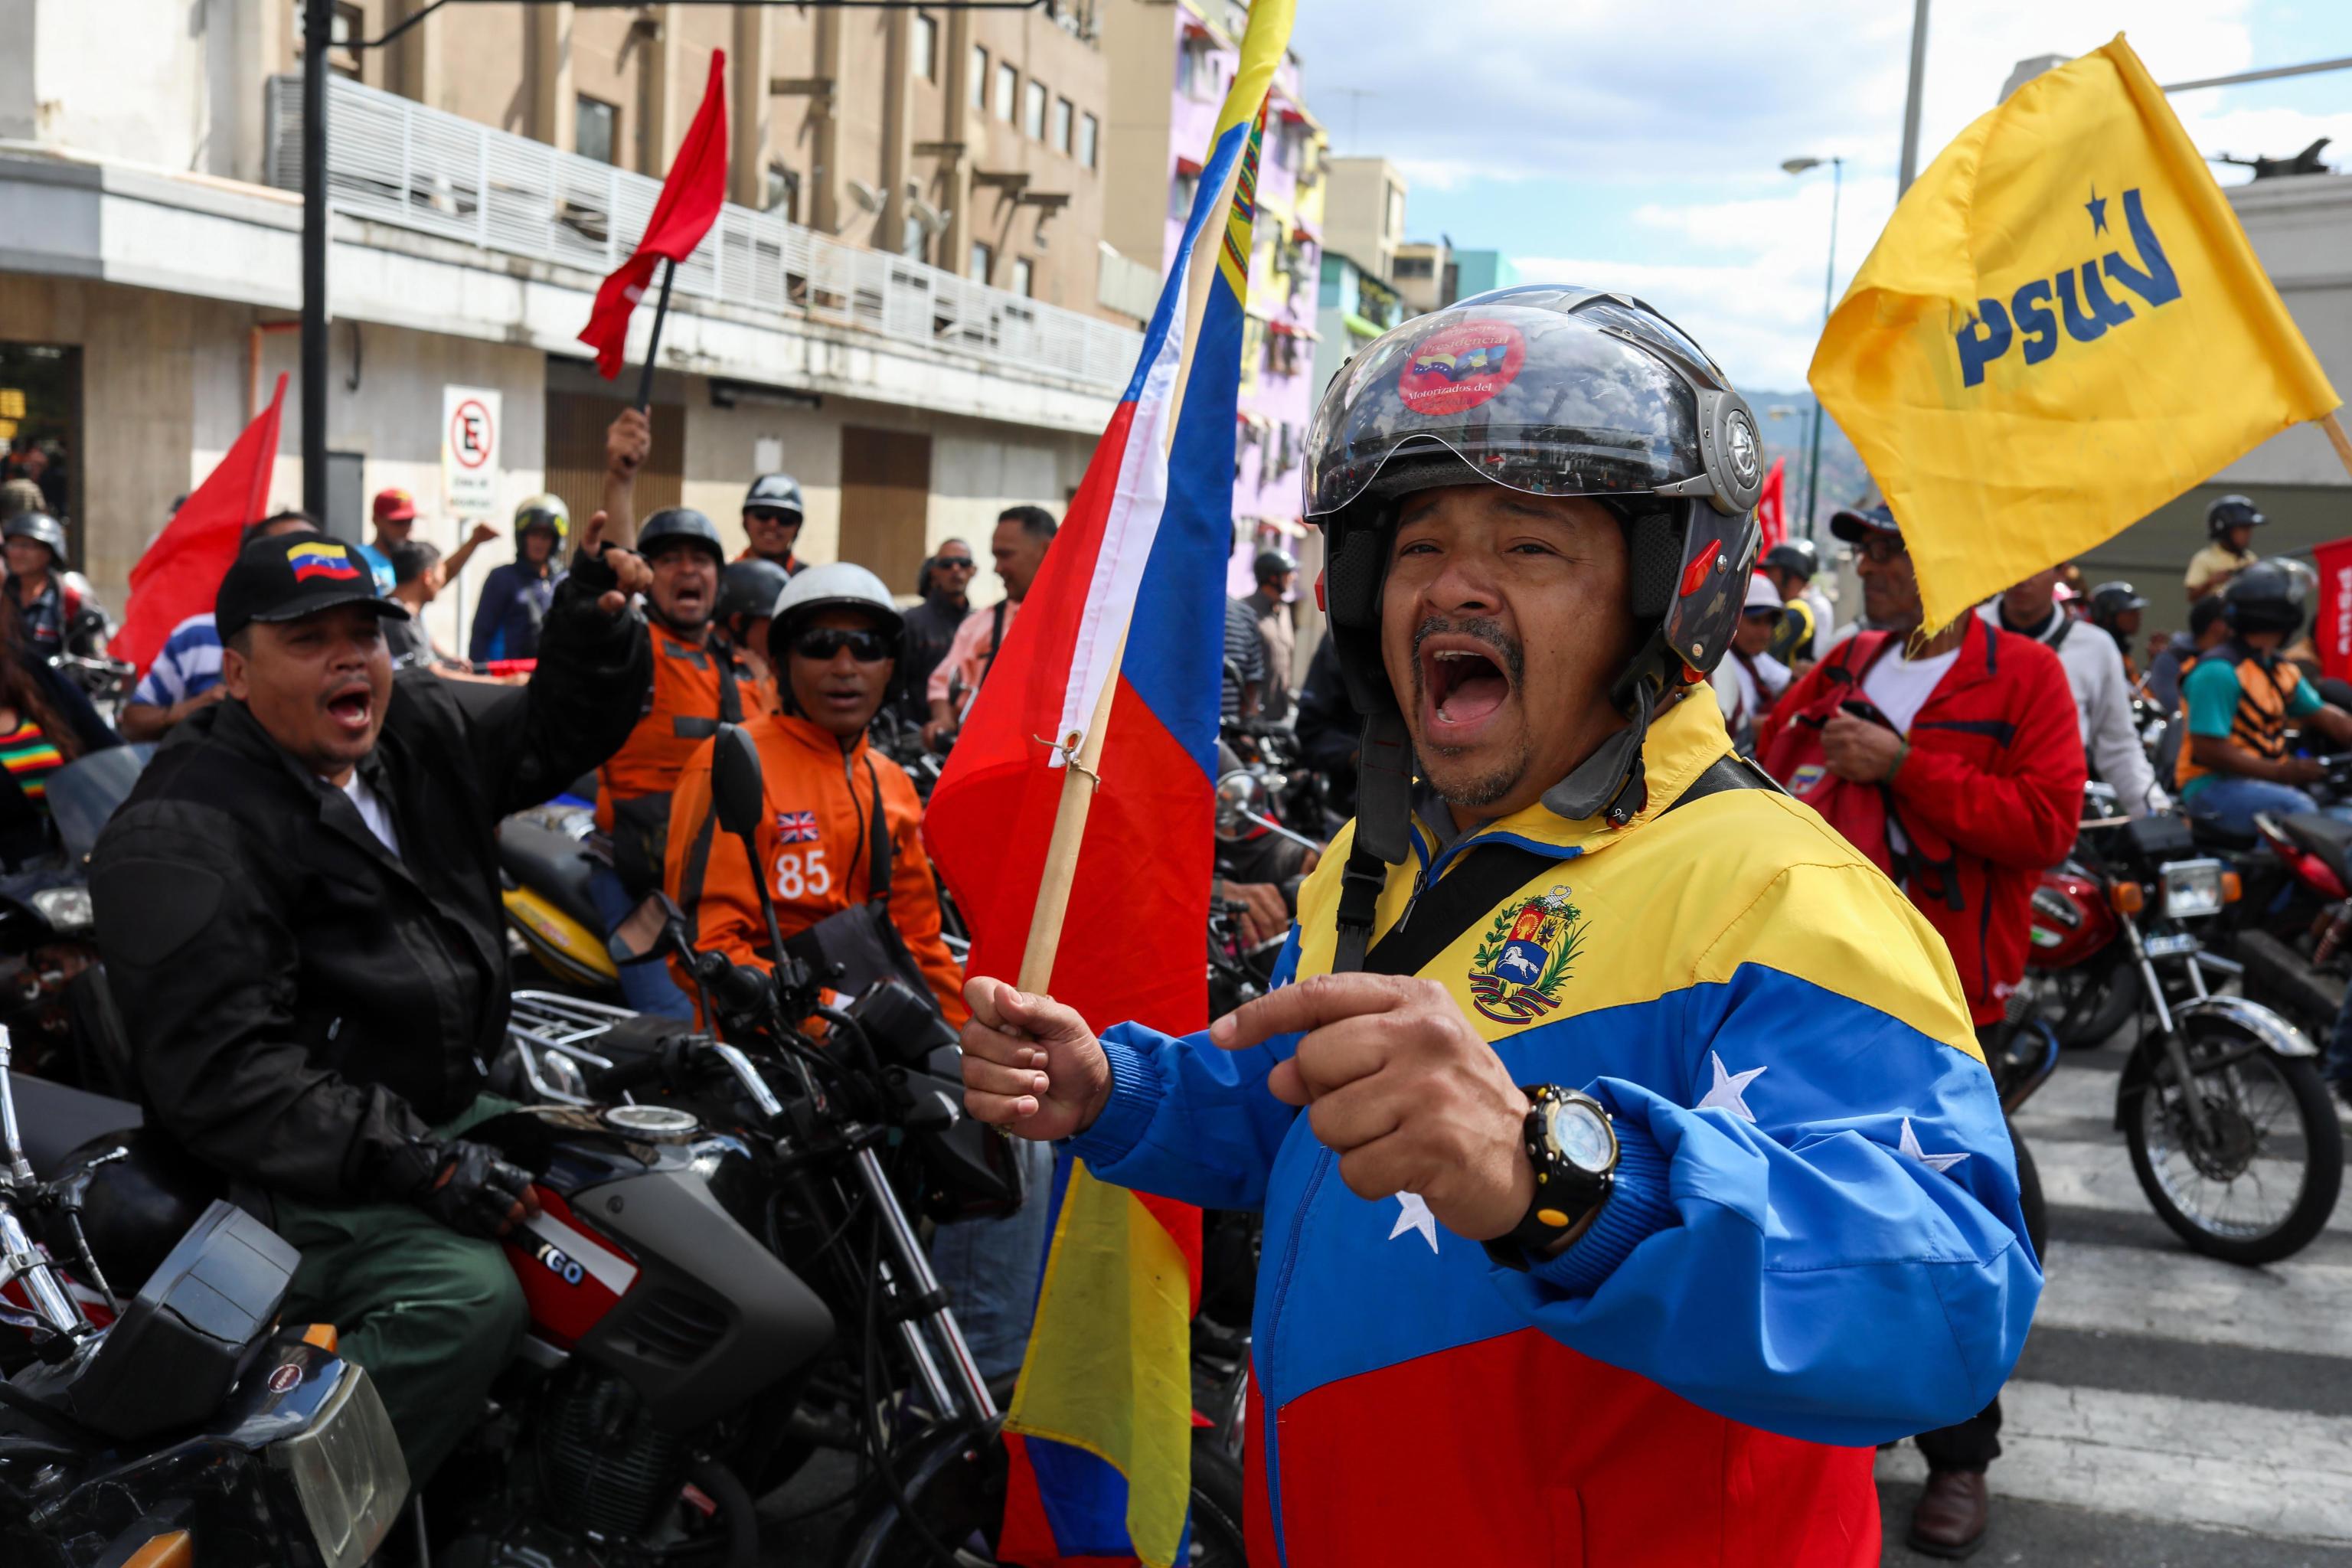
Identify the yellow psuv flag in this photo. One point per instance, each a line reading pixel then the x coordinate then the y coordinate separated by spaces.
pixel 2062 329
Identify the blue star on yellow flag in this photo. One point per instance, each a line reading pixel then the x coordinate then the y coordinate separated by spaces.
pixel 2022 390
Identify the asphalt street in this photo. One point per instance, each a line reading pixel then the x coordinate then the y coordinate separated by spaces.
pixel 2169 1412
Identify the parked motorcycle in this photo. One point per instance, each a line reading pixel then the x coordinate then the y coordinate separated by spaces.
pixel 2233 1136
pixel 183 1426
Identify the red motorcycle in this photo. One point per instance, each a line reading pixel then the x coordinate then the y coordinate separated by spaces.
pixel 2232 1132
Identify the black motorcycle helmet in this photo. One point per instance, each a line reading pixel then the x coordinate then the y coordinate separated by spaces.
pixel 748 590
pixel 2266 597
pixel 1794 556
pixel 777 493
pixel 1272 567
pixel 41 527
pixel 2110 601
pixel 673 523
pixel 2231 511
pixel 1554 391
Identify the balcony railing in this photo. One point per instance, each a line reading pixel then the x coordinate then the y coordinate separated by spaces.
pixel 399 163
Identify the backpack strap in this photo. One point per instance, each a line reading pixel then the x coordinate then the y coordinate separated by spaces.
pixel 877 882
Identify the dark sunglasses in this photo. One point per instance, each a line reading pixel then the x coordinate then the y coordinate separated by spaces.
pixel 865 646
pixel 1879 552
pixel 955 562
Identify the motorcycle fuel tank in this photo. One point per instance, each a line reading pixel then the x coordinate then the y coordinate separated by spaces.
pixel 2072 920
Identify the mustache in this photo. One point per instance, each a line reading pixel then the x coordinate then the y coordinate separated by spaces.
pixel 1509 655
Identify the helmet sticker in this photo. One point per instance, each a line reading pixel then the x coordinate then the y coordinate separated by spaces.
pixel 1462 366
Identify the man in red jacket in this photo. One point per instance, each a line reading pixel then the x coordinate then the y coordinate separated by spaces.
pixel 1972 735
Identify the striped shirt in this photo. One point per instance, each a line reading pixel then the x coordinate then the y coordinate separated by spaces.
pixel 29 757
pixel 1245 652
pixel 188 665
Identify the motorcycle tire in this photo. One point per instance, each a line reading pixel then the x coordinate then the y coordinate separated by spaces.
pixel 957 1485
pixel 2095 1021
pixel 2145 1125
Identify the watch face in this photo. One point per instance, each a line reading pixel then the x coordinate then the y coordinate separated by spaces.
pixel 1579 1134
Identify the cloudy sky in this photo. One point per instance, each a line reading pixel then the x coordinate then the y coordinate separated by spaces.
pixel 1637 144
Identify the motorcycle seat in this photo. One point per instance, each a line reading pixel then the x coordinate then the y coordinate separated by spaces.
pixel 550 863
pixel 2328 837
pixel 57 1118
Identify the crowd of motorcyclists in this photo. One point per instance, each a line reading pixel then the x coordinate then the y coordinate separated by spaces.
pixel 303 890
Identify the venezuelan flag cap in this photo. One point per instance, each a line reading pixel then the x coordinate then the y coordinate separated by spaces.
pixel 291 576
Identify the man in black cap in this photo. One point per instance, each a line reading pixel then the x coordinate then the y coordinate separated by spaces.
pixel 303 896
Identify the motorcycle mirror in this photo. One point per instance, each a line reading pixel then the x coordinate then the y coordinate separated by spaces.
pixel 736 787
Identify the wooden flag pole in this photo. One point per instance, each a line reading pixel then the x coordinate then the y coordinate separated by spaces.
pixel 1080 779
pixel 653 344
pixel 2336 438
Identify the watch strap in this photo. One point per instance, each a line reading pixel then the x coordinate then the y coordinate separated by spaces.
pixel 1565 1194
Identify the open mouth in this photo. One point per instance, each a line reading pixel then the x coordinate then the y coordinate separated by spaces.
pixel 1463 685
pixel 353 709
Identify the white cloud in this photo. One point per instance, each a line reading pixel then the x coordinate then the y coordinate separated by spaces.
pixel 1580 96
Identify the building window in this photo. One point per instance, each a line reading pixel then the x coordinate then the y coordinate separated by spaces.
pixel 1063 113
pixel 782 197
pixel 1179 195
pixel 925 47
pixel 1022 277
pixel 1089 139
pixel 1416 267
pixel 1032 112
pixel 983 263
pixel 1007 80
pixel 596 128
pixel 979 78
pixel 1196 70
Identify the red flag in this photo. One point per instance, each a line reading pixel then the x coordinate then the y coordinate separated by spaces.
pixel 1771 507
pixel 2332 626
pixel 689 203
pixel 181 573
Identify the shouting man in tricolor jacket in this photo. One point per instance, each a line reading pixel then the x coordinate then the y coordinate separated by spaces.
pixel 1628 1163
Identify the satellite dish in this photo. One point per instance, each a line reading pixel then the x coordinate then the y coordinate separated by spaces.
pixel 931 217
pixel 865 195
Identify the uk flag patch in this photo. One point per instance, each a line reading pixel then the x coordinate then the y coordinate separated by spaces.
pixel 797 827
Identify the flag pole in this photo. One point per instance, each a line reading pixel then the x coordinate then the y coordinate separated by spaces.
pixel 1080 779
pixel 653 344
pixel 2337 437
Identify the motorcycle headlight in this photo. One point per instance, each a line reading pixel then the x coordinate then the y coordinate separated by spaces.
pixel 2192 889
pixel 68 910
pixel 347 1469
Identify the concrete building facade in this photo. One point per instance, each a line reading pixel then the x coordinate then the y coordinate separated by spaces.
pixel 1171 66
pixel 903 304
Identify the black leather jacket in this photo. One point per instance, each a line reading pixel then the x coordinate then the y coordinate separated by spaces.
pixel 301 1002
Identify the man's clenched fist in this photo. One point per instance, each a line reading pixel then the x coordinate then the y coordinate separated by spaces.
pixel 1031 1066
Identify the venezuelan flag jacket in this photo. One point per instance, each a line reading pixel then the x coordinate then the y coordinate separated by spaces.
pixel 1813 1244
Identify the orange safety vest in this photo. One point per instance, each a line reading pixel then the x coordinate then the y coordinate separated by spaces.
pixel 2260 723
pixel 694 690
pixel 817 849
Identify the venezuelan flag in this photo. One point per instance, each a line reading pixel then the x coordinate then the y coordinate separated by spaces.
pixel 319 559
pixel 1131 601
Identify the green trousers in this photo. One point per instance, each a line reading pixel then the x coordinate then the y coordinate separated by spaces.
pixel 433 1315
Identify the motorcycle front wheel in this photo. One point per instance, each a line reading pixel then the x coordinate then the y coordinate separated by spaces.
pixel 2261 1182
pixel 957 1485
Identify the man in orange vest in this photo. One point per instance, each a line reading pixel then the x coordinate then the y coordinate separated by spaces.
pixel 834 638
pixel 699 682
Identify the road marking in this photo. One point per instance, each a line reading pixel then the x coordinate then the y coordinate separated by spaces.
pixel 2277 1473
pixel 2076 1174
pixel 2290 1306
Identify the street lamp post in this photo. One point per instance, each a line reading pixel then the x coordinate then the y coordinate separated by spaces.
pixel 318 38
pixel 1829 302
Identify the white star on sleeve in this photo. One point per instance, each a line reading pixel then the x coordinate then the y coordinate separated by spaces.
pixel 1729 1088
pixel 1910 1145
pixel 1413 1215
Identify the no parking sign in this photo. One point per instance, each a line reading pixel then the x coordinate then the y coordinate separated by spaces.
pixel 472 420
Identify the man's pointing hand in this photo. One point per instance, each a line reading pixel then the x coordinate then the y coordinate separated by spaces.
pixel 1397 1084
